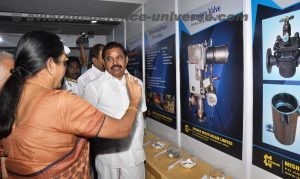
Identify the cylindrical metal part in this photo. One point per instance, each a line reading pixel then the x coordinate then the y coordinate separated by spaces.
pixel 285 114
pixel 217 55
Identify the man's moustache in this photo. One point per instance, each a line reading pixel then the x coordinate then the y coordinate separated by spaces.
pixel 116 66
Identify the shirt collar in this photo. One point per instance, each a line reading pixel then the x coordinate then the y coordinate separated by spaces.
pixel 94 68
pixel 111 77
pixel 70 79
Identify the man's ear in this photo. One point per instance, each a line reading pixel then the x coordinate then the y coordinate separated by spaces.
pixel 94 60
pixel 51 67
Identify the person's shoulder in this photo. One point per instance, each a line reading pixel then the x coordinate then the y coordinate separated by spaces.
pixel 139 80
pixel 96 82
pixel 102 78
pixel 86 73
pixel 58 95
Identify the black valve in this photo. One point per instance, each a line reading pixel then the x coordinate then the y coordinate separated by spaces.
pixel 286 51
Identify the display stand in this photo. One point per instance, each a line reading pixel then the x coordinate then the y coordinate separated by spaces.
pixel 159 167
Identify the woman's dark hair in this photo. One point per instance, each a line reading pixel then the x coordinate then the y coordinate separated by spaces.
pixel 32 53
pixel 111 45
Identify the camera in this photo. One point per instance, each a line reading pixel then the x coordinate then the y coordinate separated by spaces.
pixel 82 39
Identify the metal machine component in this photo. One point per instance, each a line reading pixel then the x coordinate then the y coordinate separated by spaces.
pixel 202 57
pixel 285 112
pixel 286 51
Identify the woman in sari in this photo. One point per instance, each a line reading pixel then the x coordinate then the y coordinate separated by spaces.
pixel 43 129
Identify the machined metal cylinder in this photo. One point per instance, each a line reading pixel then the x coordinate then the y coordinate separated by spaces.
pixel 217 54
pixel 285 113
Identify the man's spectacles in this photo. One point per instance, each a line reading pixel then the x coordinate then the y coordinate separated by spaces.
pixel 118 58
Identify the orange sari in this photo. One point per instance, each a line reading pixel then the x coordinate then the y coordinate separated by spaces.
pixel 52 141
pixel 75 164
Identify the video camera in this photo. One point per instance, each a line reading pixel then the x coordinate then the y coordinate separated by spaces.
pixel 84 38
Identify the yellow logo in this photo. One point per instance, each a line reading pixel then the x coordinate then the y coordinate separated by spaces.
pixel 268 160
pixel 186 128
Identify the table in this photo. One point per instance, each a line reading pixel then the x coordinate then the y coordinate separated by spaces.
pixel 157 167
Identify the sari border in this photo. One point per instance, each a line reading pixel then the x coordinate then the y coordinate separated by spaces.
pixel 50 165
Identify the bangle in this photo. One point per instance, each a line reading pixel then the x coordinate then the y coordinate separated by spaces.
pixel 133 108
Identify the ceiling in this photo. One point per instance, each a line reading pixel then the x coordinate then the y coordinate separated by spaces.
pixel 74 16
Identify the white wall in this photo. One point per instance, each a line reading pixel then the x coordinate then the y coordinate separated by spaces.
pixel 157 7
pixel 119 33
pixel 11 40
pixel 189 5
pixel 110 36
pixel 70 41
pixel 126 1
pixel 134 27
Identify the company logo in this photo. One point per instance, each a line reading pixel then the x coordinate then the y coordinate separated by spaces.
pixel 187 17
pixel 187 128
pixel 268 160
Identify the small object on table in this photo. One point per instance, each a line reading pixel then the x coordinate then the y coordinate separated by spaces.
pixel 160 153
pixel 217 172
pixel 158 143
pixel 188 163
pixel 174 164
pixel 174 152
pixel 204 177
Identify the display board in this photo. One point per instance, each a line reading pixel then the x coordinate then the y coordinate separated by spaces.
pixel 135 56
pixel 211 70
pixel 160 73
pixel 276 75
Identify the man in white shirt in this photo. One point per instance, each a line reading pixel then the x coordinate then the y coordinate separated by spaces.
pixel 73 71
pixel 97 69
pixel 122 158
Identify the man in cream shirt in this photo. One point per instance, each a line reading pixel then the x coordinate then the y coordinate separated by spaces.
pixel 122 158
pixel 97 69
pixel 73 71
